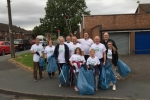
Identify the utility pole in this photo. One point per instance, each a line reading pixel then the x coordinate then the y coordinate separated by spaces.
pixel 11 36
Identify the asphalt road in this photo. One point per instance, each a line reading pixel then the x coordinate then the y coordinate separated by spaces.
pixel 16 79
pixel 8 56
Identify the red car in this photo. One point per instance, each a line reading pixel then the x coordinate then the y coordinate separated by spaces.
pixel 4 47
pixel 32 42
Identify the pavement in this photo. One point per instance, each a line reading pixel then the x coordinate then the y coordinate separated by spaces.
pixel 16 81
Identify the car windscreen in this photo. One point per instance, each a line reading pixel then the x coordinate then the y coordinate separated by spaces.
pixel 17 41
pixel 41 39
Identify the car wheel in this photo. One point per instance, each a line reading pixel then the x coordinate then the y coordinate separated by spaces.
pixel 3 52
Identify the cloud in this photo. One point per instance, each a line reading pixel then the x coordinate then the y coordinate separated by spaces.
pixel 26 13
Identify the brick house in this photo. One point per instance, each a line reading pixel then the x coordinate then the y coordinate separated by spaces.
pixel 131 32
pixel 17 31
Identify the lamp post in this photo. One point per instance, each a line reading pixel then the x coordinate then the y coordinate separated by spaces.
pixel 11 36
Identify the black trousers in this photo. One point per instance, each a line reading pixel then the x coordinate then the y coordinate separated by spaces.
pixel 101 65
pixel 51 74
pixel 60 66
pixel 86 57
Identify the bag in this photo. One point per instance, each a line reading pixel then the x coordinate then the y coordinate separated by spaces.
pixel 85 82
pixel 88 74
pixel 41 64
pixel 123 69
pixel 103 80
pixel 64 75
pixel 84 66
pixel 107 76
pixel 110 76
pixel 52 65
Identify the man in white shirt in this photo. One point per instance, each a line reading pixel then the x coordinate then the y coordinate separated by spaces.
pixel 68 41
pixel 74 45
pixel 37 51
pixel 86 43
pixel 100 50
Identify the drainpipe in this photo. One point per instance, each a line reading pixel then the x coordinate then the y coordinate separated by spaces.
pixel 83 24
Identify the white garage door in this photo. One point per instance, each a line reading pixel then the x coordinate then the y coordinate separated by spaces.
pixel 122 42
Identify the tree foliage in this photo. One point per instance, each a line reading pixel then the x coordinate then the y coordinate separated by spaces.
pixel 38 30
pixel 63 15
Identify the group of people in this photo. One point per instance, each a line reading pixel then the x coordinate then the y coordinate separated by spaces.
pixel 77 52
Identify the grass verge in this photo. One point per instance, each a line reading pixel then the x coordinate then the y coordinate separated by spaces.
pixel 25 59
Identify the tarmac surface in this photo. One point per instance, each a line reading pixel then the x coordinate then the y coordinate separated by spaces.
pixel 15 80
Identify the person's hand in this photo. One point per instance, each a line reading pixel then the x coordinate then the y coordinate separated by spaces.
pixel 72 64
pixel 45 60
pixel 104 63
pixel 97 65
pixel 33 52
pixel 83 63
pixel 88 67
pixel 71 34
pixel 37 53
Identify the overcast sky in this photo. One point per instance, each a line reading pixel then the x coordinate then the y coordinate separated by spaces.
pixel 26 13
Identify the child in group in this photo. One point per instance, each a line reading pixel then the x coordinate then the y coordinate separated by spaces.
pixel 76 60
pixel 93 63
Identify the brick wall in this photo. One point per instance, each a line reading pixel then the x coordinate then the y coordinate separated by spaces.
pixel 124 21
pixel 16 36
pixel 121 22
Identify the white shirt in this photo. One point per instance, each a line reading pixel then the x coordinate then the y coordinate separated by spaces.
pixel 86 44
pixel 77 58
pixel 99 50
pixel 93 61
pixel 61 56
pixel 37 48
pixel 49 51
pixel 109 54
pixel 73 47
pixel 68 43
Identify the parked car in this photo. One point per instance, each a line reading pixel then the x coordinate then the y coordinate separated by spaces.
pixel 4 47
pixel 22 44
pixel 32 42
pixel 42 40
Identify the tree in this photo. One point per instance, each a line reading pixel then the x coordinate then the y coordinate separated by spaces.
pixel 38 30
pixel 63 15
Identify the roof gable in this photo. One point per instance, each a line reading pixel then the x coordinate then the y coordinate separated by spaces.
pixel 146 7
